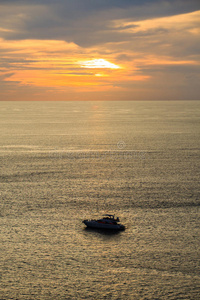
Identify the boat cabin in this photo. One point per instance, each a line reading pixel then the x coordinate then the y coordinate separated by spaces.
pixel 111 218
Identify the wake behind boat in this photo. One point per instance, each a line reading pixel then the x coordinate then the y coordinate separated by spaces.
pixel 106 222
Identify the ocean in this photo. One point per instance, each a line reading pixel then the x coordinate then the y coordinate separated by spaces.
pixel 63 162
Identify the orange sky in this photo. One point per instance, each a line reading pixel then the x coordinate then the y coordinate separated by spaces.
pixel 153 58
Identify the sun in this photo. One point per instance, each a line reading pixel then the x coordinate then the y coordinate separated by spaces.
pixel 98 64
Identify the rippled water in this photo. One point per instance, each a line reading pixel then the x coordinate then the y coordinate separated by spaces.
pixel 62 162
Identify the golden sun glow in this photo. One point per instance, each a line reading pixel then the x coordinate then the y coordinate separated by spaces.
pixel 98 64
pixel 122 52
pixel 65 66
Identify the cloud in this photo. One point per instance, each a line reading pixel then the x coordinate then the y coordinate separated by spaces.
pixel 83 22
pixel 153 42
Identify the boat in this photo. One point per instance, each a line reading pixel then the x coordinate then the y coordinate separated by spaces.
pixel 107 222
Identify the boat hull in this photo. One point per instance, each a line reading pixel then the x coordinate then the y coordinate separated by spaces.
pixel 94 224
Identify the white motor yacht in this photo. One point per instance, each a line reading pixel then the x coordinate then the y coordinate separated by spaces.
pixel 106 222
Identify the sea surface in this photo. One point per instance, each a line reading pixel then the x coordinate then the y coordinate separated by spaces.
pixel 63 162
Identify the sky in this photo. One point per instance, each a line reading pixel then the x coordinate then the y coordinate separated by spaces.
pixel 99 50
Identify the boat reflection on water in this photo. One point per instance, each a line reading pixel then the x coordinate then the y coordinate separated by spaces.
pixel 108 223
pixel 103 232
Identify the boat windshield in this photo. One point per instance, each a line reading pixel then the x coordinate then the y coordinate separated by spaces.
pixel 110 216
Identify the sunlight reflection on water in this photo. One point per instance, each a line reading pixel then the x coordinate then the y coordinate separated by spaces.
pixel 64 162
